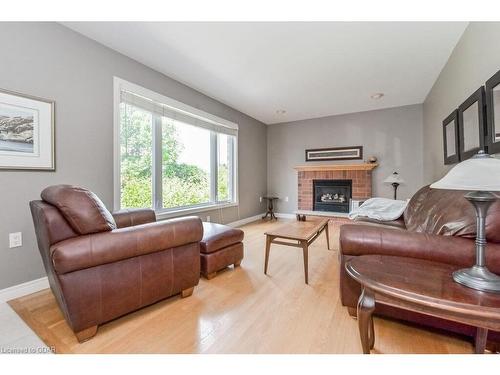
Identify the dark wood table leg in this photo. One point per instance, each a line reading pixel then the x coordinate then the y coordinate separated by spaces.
pixel 268 249
pixel 271 209
pixel 480 344
pixel 305 250
pixel 371 340
pixel 366 305
pixel 327 237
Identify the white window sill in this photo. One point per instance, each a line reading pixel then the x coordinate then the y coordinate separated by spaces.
pixel 167 214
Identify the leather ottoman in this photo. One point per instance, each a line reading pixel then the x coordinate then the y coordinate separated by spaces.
pixel 220 247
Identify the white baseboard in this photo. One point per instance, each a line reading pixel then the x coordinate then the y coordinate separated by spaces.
pixel 247 220
pixel 23 289
pixel 285 216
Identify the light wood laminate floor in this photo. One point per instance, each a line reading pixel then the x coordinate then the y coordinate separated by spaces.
pixel 244 311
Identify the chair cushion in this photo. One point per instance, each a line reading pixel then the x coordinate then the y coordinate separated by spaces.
pixel 83 210
pixel 218 236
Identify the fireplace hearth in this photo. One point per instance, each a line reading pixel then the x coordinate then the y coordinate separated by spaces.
pixel 332 195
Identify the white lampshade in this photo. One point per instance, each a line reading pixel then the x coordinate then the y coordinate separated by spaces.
pixel 394 178
pixel 479 173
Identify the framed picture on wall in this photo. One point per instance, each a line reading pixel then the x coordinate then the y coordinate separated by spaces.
pixel 335 153
pixel 26 132
pixel 493 113
pixel 471 124
pixel 450 139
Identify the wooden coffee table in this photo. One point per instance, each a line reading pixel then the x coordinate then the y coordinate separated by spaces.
pixel 297 234
pixel 422 286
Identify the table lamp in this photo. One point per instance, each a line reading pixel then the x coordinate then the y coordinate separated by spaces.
pixel 395 180
pixel 480 176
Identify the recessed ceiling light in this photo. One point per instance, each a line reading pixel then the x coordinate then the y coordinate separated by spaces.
pixel 378 95
pixel 280 112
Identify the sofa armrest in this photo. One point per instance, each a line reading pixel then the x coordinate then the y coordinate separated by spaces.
pixel 356 239
pixel 107 247
pixel 133 216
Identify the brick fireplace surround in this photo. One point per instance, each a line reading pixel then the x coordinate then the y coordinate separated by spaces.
pixel 360 174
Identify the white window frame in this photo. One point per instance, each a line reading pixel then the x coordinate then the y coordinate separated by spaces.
pixel 121 84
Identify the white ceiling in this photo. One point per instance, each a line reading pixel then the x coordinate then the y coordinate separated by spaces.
pixel 308 69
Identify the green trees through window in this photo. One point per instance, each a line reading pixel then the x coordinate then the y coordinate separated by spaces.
pixel 186 162
pixel 136 144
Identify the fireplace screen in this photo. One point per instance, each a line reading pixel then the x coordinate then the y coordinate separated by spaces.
pixel 332 195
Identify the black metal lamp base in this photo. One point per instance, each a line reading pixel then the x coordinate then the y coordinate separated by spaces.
pixel 395 185
pixel 479 278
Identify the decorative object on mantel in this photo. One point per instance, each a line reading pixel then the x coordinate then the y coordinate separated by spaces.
pixel 372 159
pixel 480 176
pixel 395 180
pixel 26 132
pixel 335 153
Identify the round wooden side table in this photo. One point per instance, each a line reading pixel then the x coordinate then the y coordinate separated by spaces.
pixel 421 286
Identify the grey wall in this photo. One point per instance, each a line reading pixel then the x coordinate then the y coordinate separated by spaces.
pixel 393 135
pixel 51 61
pixel 475 59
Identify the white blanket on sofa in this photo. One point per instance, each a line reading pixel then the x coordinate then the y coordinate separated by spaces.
pixel 382 209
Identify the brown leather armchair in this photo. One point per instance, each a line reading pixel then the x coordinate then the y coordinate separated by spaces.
pixel 101 266
pixel 437 225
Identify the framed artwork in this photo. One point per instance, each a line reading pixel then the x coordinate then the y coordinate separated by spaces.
pixel 450 139
pixel 471 125
pixel 335 153
pixel 26 132
pixel 493 113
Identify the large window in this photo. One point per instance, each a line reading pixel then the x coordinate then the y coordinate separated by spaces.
pixel 171 157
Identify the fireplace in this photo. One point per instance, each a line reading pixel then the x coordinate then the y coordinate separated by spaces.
pixel 359 176
pixel 332 195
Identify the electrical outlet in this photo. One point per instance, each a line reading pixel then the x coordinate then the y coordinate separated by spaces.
pixel 208 219
pixel 286 199
pixel 15 239
pixel 260 199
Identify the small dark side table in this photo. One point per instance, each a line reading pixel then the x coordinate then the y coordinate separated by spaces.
pixel 270 208
pixel 421 286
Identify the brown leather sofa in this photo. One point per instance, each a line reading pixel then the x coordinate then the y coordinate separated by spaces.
pixel 437 225
pixel 101 266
